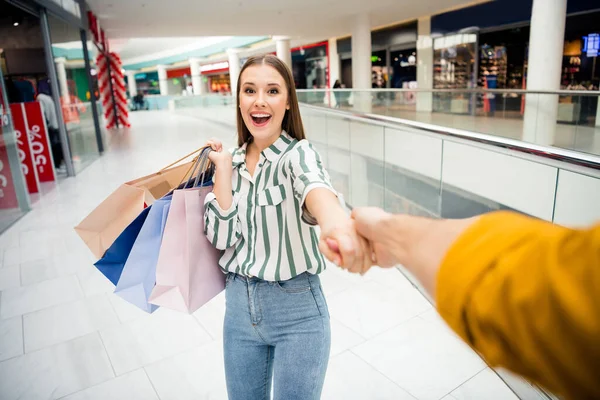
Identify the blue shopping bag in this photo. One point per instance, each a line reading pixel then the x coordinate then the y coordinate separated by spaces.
pixel 112 263
pixel 139 273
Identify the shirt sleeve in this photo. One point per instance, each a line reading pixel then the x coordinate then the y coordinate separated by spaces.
pixel 525 294
pixel 221 227
pixel 308 173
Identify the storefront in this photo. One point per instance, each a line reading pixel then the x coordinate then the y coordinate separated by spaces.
pixel 393 57
pixel 147 82
pixel 498 57
pixel 310 66
pixel 36 71
pixel 216 78
pixel 180 81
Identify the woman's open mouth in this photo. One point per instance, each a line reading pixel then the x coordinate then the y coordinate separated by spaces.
pixel 260 119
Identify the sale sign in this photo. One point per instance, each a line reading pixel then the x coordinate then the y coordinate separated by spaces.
pixel 24 148
pixel 39 141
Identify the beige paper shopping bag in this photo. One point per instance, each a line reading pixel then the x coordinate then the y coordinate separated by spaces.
pixel 106 222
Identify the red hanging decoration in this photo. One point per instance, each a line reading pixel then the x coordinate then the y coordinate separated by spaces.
pixel 115 113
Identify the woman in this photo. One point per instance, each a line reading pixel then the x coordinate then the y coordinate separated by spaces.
pixel 268 196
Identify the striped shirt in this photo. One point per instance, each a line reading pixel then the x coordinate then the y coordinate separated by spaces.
pixel 267 232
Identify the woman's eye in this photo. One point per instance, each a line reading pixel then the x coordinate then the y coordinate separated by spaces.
pixel 273 91
pixel 248 90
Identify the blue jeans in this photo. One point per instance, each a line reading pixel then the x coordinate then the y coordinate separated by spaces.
pixel 275 332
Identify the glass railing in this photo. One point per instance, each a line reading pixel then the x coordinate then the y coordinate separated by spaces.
pixel 565 119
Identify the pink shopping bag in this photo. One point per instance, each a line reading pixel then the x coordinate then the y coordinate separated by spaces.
pixel 188 273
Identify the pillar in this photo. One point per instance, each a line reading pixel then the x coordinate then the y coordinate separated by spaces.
pixel 546 41
pixel 598 113
pixel 162 80
pixel 131 84
pixel 234 69
pixel 334 62
pixel 196 75
pixel 334 69
pixel 61 71
pixel 282 44
pixel 424 65
pixel 361 62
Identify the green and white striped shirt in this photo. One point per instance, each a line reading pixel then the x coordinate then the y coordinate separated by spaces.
pixel 267 232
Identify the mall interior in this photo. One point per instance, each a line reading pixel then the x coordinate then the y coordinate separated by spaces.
pixel 433 108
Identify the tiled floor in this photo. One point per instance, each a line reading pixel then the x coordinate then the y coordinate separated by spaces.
pixel 63 334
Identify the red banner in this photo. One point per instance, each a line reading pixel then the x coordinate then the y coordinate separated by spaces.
pixel 8 195
pixel 24 147
pixel 40 142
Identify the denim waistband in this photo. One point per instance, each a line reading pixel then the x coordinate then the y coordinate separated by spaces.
pixel 253 279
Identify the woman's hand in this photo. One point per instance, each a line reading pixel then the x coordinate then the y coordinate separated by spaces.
pixel 343 245
pixel 220 158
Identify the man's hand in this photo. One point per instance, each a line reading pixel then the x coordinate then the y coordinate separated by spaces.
pixel 373 224
pixel 343 246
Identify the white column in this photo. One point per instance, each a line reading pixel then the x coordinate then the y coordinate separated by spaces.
pixel 334 70
pixel 424 65
pixel 61 71
pixel 546 42
pixel 598 113
pixel 282 44
pixel 196 75
pixel 334 62
pixel 131 83
pixel 361 62
pixel 162 80
pixel 234 69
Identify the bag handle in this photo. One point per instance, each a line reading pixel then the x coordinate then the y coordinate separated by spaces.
pixel 205 165
pixel 201 160
pixel 182 158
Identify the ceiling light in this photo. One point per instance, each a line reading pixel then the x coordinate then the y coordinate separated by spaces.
pixel 16 24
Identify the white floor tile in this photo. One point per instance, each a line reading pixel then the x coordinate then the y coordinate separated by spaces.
pixel 195 374
pixel 485 385
pixel 146 340
pixel 126 311
pixel 93 282
pixel 211 316
pixel 371 308
pixel 132 386
pixel 56 371
pixel 335 281
pixel 350 378
pixel 423 358
pixel 11 338
pixel 42 295
pixel 50 268
pixel 10 277
pixel 12 257
pixel 67 321
pixel 343 338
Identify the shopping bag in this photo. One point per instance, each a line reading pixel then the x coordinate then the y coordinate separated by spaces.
pixel 157 185
pixel 113 262
pixel 187 271
pixel 139 272
pixel 103 225
pixel 106 222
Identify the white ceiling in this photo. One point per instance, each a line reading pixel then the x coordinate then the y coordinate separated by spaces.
pixel 296 18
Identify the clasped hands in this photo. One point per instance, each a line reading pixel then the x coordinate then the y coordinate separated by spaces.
pixel 360 243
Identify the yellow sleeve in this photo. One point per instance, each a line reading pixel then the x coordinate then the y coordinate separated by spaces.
pixel 525 294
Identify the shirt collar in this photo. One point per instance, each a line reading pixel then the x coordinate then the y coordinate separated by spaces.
pixel 271 153
pixel 276 150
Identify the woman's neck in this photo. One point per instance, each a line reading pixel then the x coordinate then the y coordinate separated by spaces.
pixel 261 145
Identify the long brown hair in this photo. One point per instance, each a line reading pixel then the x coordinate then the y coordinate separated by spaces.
pixel 292 122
